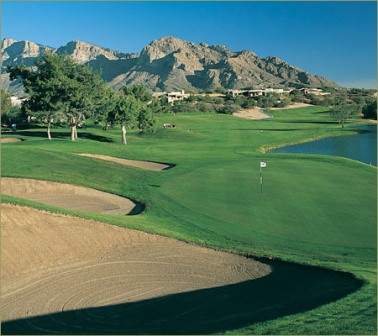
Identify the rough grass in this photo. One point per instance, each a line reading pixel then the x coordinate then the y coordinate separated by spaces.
pixel 314 210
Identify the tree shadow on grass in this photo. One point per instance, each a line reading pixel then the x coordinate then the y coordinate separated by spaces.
pixel 64 135
pixel 310 122
pixel 289 289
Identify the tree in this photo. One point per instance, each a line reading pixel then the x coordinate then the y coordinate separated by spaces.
pixel 126 113
pixel 369 111
pixel 229 108
pixel 220 90
pixel 138 108
pixel 140 92
pixel 5 102
pixel 146 120
pixel 9 114
pixel 343 112
pixel 297 96
pixel 59 87
pixel 266 101
pixel 107 108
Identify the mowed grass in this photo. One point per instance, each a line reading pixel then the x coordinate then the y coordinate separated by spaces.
pixel 314 210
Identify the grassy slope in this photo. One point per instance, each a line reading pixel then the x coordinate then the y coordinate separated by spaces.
pixel 314 209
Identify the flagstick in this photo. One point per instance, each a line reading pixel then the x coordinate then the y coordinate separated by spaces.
pixel 261 180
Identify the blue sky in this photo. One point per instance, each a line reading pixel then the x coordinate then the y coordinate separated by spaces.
pixel 337 40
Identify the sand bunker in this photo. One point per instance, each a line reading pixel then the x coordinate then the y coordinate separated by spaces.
pixel 53 263
pixel 7 140
pixel 139 164
pixel 259 114
pixel 68 196
pixel 291 106
pixel 253 114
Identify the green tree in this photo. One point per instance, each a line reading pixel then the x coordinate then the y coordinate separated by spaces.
pixel 5 102
pixel 146 120
pixel 220 90
pixel 266 101
pixel 343 112
pixel 107 108
pixel 59 87
pixel 229 108
pixel 126 113
pixel 297 96
pixel 369 111
pixel 140 92
pixel 10 114
pixel 240 100
pixel 249 103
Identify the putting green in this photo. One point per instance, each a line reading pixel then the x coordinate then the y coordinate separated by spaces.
pixel 300 201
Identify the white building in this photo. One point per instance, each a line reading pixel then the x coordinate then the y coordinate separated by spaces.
pixel 175 96
pixel 15 101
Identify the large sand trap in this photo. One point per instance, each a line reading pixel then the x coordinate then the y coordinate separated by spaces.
pixel 67 196
pixel 53 263
pixel 139 164
pixel 259 114
pixel 253 114
pixel 7 140
pixel 291 106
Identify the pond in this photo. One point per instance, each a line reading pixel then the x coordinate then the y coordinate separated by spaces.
pixel 361 147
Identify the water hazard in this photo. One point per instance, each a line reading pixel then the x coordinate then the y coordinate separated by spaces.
pixel 361 147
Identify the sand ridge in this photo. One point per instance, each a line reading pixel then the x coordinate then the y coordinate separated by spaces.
pixel 67 196
pixel 52 263
pixel 8 140
pixel 133 163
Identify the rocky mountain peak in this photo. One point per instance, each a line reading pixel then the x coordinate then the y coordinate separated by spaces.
pixel 160 48
pixel 171 64
pixel 83 52
pixel 7 42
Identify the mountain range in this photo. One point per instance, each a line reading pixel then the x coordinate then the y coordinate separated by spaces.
pixel 168 64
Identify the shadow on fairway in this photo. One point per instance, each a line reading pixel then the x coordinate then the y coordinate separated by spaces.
pixel 268 129
pixel 64 135
pixel 310 122
pixel 289 289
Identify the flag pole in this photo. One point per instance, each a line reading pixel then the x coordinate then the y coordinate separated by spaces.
pixel 262 165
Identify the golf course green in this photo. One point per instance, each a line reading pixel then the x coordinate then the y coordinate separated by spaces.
pixel 313 210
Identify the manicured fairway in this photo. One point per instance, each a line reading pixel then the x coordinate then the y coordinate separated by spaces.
pixel 314 210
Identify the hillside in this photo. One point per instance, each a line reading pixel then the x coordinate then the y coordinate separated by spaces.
pixel 169 64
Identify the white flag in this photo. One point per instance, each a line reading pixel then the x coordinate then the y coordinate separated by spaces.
pixel 262 164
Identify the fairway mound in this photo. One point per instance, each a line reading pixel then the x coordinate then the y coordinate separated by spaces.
pixel 69 196
pixel 133 163
pixel 7 140
pixel 253 114
pixel 56 263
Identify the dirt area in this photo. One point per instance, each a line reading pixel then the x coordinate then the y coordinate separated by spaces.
pixel 7 140
pixel 259 113
pixel 294 105
pixel 54 263
pixel 253 114
pixel 139 164
pixel 67 196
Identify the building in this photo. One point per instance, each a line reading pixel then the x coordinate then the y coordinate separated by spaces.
pixel 316 92
pixel 175 96
pixel 15 101
pixel 257 92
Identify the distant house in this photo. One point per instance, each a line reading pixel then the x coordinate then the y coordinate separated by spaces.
pixel 175 96
pixel 15 101
pixel 257 92
pixel 316 92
